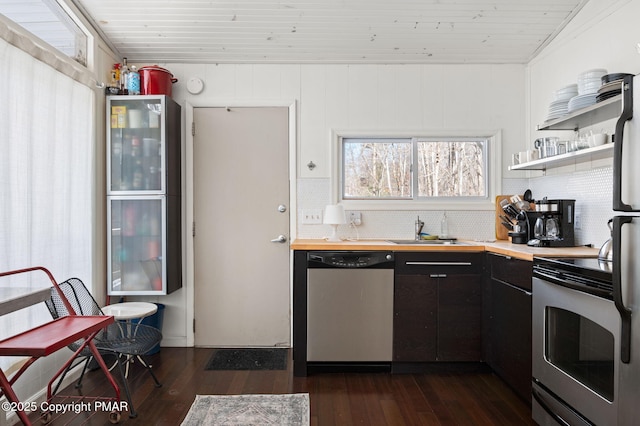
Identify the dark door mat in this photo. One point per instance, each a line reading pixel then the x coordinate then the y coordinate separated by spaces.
pixel 248 359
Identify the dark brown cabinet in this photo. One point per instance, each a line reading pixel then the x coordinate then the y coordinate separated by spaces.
pixel 437 307
pixel 415 320
pixel 507 325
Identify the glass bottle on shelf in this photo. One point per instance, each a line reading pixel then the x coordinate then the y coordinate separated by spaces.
pixel 133 81
pixel 124 75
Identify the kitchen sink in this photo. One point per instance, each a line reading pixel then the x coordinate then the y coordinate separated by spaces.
pixel 428 242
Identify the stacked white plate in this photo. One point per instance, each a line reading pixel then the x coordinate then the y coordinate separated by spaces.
pixel 560 104
pixel 582 101
pixel 557 109
pixel 566 93
pixel 589 82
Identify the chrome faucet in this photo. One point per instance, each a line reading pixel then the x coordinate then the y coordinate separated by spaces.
pixel 419 226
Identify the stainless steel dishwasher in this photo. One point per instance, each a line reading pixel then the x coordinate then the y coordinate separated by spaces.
pixel 350 306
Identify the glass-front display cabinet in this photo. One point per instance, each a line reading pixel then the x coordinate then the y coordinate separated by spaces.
pixel 143 195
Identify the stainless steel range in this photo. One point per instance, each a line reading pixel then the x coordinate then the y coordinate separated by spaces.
pixel 576 343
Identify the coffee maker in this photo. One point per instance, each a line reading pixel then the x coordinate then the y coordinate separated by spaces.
pixel 554 223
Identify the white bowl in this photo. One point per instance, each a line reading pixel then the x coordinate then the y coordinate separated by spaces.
pixel 594 73
pixel 598 139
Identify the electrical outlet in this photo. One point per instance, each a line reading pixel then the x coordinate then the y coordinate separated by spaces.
pixel 577 221
pixel 355 218
pixel 312 216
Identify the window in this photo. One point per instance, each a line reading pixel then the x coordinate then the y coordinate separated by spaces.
pixel 451 167
pixel 47 20
pixel 415 169
pixel 376 168
pixel 46 177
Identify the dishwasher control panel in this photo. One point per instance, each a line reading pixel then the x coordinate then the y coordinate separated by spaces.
pixel 350 259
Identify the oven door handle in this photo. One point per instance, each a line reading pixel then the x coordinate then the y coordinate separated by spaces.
pixel 625 313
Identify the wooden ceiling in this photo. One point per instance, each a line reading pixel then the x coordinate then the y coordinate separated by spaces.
pixel 330 31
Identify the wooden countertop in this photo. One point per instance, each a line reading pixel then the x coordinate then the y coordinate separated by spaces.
pixel 520 251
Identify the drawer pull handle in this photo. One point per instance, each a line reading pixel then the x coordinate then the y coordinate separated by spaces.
pixel 439 263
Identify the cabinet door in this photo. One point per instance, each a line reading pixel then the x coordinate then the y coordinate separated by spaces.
pixel 136 144
pixel 136 245
pixel 512 336
pixel 415 319
pixel 438 307
pixel 460 318
pixel 509 330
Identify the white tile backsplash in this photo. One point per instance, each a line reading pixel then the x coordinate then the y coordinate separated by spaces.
pixel 388 224
pixel 592 191
pixel 590 188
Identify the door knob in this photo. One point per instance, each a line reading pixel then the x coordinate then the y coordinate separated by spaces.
pixel 281 239
pixel 282 208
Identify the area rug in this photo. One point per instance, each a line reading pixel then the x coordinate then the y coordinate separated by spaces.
pixel 249 410
pixel 249 359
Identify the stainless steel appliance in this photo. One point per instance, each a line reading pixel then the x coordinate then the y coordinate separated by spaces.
pixel 576 343
pixel 554 224
pixel 556 304
pixel 350 308
pixel 626 249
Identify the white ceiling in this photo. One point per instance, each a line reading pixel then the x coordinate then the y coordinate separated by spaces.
pixel 330 31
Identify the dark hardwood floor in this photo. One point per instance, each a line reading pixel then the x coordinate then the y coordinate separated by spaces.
pixel 336 399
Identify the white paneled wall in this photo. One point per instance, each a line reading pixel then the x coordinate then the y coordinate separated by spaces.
pixel 370 98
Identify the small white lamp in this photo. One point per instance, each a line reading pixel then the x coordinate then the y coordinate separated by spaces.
pixel 334 216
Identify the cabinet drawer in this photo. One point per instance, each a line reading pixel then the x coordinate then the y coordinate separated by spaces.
pixel 415 263
pixel 513 271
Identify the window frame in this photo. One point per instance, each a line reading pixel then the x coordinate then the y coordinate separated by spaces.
pixel 493 166
pixel 43 48
pixel 82 36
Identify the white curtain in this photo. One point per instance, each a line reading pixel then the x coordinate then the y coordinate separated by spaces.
pixel 46 176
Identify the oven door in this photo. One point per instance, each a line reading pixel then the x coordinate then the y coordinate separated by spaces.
pixel 576 353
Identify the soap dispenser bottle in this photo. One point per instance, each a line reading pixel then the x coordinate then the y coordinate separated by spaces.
pixel 444 226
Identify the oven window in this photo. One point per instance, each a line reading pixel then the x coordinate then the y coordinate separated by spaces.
pixel 582 349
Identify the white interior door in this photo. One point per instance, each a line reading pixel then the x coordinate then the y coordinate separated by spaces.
pixel 241 184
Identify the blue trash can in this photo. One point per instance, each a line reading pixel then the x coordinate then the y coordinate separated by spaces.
pixel 155 321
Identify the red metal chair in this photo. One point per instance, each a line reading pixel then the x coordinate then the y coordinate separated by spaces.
pixel 48 338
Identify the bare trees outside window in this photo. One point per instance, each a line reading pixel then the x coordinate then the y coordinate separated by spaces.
pixel 377 168
pixel 411 168
pixel 451 168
